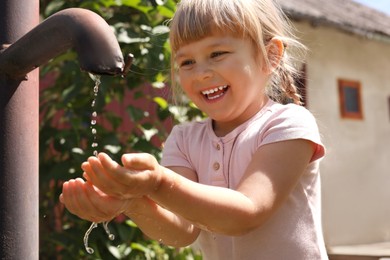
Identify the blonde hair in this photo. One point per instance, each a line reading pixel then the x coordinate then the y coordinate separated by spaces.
pixel 257 20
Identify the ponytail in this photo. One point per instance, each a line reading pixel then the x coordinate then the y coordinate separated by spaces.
pixel 283 89
pixel 287 85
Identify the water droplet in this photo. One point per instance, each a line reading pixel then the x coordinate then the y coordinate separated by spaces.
pixel 86 237
pixel 110 235
pixel 96 79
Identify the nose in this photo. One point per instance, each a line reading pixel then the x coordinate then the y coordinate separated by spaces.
pixel 204 71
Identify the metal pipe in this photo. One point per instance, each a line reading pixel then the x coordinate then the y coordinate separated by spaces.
pixel 81 29
pixel 98 52
pixel 18 143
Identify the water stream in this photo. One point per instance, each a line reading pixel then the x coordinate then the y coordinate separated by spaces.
pixel 94 145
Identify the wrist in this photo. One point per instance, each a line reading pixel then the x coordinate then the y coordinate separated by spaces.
pixel 158 176
pixel 139 206
pixel 166 182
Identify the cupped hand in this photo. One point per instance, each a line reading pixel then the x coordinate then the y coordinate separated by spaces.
pixel 139 176
pixel 88 202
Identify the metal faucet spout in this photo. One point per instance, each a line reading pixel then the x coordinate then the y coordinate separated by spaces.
pixel 91 37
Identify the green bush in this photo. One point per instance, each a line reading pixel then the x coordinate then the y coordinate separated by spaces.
pixel 65 133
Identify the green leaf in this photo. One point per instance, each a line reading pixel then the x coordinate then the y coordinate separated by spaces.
pixel 163 104
pixel 130 223
pixel 53 7
pixel 137 4
pixel 140 247
pixel 135 114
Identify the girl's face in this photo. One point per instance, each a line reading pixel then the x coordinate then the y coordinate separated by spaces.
pixel 225 77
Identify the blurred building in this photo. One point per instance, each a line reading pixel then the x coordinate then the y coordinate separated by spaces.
pixel 346 85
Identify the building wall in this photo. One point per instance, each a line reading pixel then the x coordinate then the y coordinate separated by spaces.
pixel 356 169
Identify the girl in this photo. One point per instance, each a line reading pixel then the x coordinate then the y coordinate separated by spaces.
pixel 242 184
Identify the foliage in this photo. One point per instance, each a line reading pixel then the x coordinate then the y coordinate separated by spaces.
pixel 65 134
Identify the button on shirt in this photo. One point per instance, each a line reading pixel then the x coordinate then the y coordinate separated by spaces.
pixel 221 161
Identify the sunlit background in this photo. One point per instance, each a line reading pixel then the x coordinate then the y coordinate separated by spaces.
pixel 381 5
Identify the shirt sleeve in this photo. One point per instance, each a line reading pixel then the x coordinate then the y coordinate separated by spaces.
pixel 293 122
pixel 173 154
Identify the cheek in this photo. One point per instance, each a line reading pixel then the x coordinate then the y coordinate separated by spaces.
pixel 241 71
pixel 183 79
pixel 183 75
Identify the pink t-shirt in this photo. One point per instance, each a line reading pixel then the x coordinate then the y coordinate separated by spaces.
pixel 294 231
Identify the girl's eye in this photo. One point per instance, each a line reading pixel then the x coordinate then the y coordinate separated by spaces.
pixel 217 54
pixel 186 63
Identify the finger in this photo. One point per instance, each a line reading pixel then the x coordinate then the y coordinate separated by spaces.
pixel 95 212
pixel 97 175
pixel 86 167
pixel 147 165
pixel 67 194
pixel 61 198
pixel 111 166
pixel 79 203
pixel 138 161
pixel 100 200
pixel 68 197
pixel 108 178
pixel 120 175
pixel 108 163
pixel 86 177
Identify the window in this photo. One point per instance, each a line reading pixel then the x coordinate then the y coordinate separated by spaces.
pixel 350 99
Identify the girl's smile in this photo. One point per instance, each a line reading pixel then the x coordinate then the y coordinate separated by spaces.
pixel 215 93
pixel 224 77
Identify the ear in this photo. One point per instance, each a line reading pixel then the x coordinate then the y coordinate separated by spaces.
pixel 275 51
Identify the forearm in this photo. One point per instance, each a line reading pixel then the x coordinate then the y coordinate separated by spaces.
pixel 219 210
pixel 216 209
pixel 161 224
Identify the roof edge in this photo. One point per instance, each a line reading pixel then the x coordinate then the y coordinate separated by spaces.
pixel 348 28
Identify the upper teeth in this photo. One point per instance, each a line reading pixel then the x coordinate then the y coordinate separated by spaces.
pixel 211 91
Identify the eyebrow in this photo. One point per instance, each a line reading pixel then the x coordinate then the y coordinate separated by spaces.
pixel 178 56
pixel 211 46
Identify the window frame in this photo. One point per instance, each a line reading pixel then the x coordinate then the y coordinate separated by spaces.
pixel 342 85
pixel 388 104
